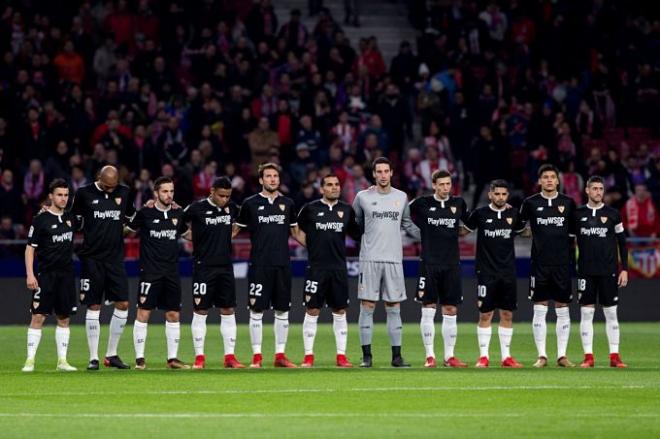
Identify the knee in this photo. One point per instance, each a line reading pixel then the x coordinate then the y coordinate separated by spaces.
pixel 485 317
pixel 368 305
pixel 122 306
pixel 314 312
pixel 449 310
pixel 225 311
pixel 172 316
pixel 37 321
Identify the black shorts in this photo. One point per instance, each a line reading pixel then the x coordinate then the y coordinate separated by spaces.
pixel 102 279
pixel 56 293
pixel 161 291
pixel 496 292
pixel 439 285
pixel 326 287
pixel 550 282
pixel 213 286
pixel 269 287
pixel 603 290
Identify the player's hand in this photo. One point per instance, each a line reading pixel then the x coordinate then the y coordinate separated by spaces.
pixel 527 233
pixel 32 283
pixel 150 204
pixel 623 278
pixel 175 205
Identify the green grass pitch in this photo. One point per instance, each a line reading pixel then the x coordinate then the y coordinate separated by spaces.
pixel 326 402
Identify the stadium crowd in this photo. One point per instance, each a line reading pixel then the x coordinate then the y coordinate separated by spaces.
pixel 198 89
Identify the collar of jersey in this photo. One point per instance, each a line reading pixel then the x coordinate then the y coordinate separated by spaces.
pixel 162 210
pixel 53 213
pixel 328 204
pixel 548 198
pixel 439 200
pixel 494 209
pixel 211 202
pixel 270 200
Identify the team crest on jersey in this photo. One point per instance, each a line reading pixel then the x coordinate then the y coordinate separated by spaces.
pixel 340 213
pixel 603 219
pixel 142 299
pixel 226 209
pixel 197 300
pixel 175 221
pixel 420 293
pixel 35 305
pixel 252 300
pixel 397 203
pixel 479 303
pixel 282 207
pixel 561 209
pixel 509 221
pixel 453 209
pixel 118 200
pixel 82 296
pixel 68 223
pixel 307 297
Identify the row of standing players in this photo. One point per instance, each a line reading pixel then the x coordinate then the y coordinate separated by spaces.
pixel 104 212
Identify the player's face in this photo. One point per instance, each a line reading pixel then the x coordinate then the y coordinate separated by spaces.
pixel 499 196
pixel 59 198
pixel 595 192
pixel 549 181
pixel 270 180
pixel 165 193
pixel 331 188
pixel 442 187
pixel 383 175
pixel 220 197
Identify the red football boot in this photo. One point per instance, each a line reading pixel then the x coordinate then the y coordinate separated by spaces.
pixel 615 361
pixel 454 362
pixel 430 362
pixel 588 361
pixel 511 363
pixel 482 363
pixel 308 361
pixel 282 361
pixel 200 362
pixel 257 359
pixel 342 361
pixel 231 362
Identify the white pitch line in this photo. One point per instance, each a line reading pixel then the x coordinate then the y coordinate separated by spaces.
pixel 332 390
pixel 315 415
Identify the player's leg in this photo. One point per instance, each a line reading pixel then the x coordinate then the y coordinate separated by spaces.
pixel 202 291
pixel 539 296
pixel 427 295
pixel 337 299
pixel 315 285
pixel 394 292
pixel 562 297
pixel 450 297
pixel 140 326
pixel 369 280
pixel 486 306
pixel 259 294
pixel 91 295
pixel 587 300
pixel 116 284
pixel 224 297
pixel 64 306
pixel 281 300
pixel 33 338
pixel 173 336
pixel 609 299
pixel 505 334
pixel 506 299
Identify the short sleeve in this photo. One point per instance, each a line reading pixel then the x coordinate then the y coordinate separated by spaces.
pixel 472 221
pixel 243 215
pixel 293 219
pixel 464 211
pixel 136 222
pixel 33 234
pixel 302 218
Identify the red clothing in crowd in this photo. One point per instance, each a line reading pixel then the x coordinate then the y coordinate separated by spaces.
pixel 70 67
pixel 641 218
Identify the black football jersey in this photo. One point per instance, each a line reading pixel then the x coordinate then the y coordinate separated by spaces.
pixel 549 219
pixel 495 245
pixel 159 232
pixel 52 237
pixel 439 224
pixel 269 222
pixel 211 227
pixel 325 230
pixel 102 217
pixel 596 231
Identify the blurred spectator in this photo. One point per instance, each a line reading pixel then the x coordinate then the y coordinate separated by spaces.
pixel 69 64
pixel 640 215
pixel 261 140
pixel 11 202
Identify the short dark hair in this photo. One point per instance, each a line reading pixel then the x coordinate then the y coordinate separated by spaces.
pixel 58 183
pixel 548 167
pixel 161 181
pixel 381 161
pixel 499 183
pixel 595 179
pixel 269 165
pixel 221 183
pixel 330 175
pixel 439 173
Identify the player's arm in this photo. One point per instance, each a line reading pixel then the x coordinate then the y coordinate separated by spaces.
pixel 354 229
pixel 408 225
pixel 465 218
pixel 293 226
pixel 470 224
pixel 620 234
pixel 77 210
pixel 130 206
pixel 523 218
pixel 242 221
pixel 300 234
pixel 359 213
pixel 31 279
pixel 135 223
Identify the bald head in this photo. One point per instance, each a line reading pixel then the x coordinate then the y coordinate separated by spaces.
pixel 108 178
